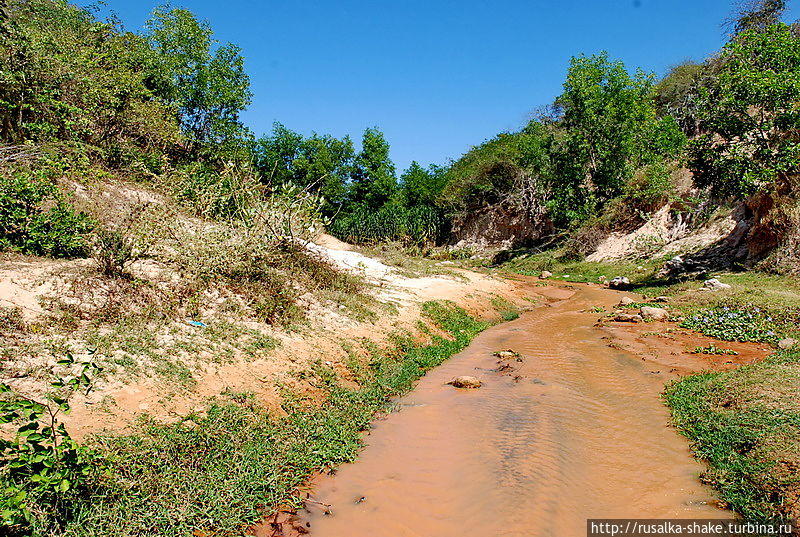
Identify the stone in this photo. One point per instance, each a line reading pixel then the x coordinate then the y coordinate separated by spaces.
pixel 661 299
pixel 465 381
pixel 626 301
pixel 627 318
pixel 620 282
pixel 506 354
pixel 545 274
pixel 787 343
pixel 654 314
pixel 715 285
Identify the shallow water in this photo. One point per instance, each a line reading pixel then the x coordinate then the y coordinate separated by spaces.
pixel 580 433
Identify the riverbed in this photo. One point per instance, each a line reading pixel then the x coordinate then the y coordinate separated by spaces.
pixel 571 429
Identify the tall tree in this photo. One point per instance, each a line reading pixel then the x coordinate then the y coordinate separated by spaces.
pixel 611 126
pixel 421 186
pixel 319 163
pixel 373 179
pixel 274 155
pixel 751 116
pixel 208 89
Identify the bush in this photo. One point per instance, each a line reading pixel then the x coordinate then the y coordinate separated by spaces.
pixel 35 219
pixel 132 238
pixel 650 187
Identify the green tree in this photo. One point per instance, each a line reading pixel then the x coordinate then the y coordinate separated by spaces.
pixel 324 166
pixel 373 181
pixel 66 76
pixel 320 163
pixel 751 116
pixel 611 128
pixel 421 186
pixel 274 155
pixel 208 89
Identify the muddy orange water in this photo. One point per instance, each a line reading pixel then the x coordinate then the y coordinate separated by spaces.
pixel 575 430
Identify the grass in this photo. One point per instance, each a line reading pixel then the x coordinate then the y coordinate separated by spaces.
pixel 218 471
pixel 746 424
pixel 532 264
pixel 507 310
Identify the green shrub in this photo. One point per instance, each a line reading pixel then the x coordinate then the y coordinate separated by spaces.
pixel 35 219
pixel 650 187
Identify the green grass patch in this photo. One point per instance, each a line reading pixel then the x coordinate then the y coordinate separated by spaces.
pixel 507 310
pixel 746 424
pixel 532 264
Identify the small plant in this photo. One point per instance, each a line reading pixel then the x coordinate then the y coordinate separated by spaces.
pixel 42 469
pixel 713 349
pixel 113 250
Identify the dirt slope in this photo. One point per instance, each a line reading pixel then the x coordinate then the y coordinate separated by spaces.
pixel 329 336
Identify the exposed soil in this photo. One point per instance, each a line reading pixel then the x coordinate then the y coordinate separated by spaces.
pixel 117 400
pixel 572 428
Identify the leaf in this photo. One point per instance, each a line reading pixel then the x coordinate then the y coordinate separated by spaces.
pixel 64 485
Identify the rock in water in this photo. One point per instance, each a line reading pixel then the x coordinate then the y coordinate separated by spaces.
pixel 465 381
pixel 626 318
pixel 506 354
pixel 620 282
pixel 545 274
pixel 715 285
pixel 654 314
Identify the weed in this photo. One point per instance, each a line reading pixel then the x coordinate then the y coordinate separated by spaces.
pixel 733 324
pixel 713 349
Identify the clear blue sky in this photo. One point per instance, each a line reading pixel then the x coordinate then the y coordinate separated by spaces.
pixel 437 76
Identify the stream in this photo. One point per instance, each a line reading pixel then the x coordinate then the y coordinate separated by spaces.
pixel 575 430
